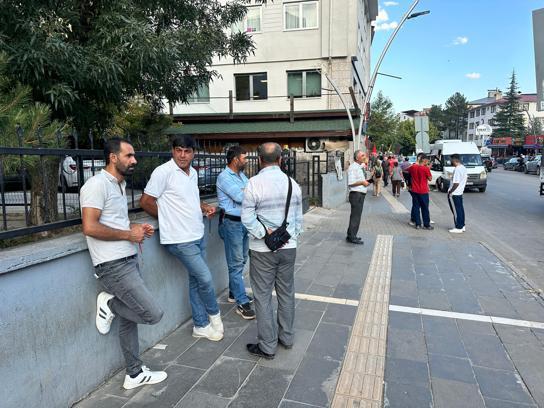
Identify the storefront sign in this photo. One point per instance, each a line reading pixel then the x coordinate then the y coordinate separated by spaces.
pixel 501 141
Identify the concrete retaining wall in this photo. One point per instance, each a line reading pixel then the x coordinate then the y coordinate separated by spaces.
pixel 334 191
pixel 51 354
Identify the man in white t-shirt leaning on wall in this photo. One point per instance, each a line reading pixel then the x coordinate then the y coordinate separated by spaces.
pixel 459 183
pixel 172 196
pixel 111 239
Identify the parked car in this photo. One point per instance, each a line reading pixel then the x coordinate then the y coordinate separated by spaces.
pixel 533 166
pixel 208 170
pixel 68 172
pixel 511 164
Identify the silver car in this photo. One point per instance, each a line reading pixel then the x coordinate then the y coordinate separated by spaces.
pixel 533 166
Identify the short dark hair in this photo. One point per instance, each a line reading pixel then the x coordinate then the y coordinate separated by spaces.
pixel 396 164
pixel 406 159
pixel 422 156
pixel 113 145
pixel 234 151
pixel 186 141
pixel 269 152
pixel 455 156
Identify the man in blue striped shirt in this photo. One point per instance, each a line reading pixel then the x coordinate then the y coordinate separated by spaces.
pixel 264 207
pixel 231 184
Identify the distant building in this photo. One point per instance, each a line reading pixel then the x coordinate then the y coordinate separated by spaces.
pixel 538 36
pixel 297 43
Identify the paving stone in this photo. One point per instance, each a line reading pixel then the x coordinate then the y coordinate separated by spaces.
pixel 516 335
pixel 254 395
pixel 179 341
pixel 498 306
pixel 114 386
pixel 439 326
pixel 203 353
pixel 238 348
pixel 225 377
pixel 451 368
pixel 429 281
pixel 289 359
pixel 442 337
pixel 329 341
pixel 310 305
pixel 401 287
pixel 315 381
pixel 463 301
pixel 449 269
pixel 301 284
pixel 408 321
pixel 306 319
pixel 487 351
pixel 450 394
pixel 504 385
pixel 347 291
pixel 168 393
pixel 528 309
pixel 468 327
pixel 320 290
pixel 197 399
pixel 101 400
pixel 340 314
pixel 406 371
pixel 399 395
pixel 404 272
pixel 495 403
pixel 328 276
pixel 293 404
pixel 434 299
pixel 404 301
pixel 406 344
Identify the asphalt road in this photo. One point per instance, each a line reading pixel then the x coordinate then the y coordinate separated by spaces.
pixel 508 217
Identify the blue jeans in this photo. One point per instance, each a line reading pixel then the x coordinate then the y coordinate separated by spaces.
pixel 201 290
pixel 236 241
pixel 459 211
pixel 413 211
pixel 421 202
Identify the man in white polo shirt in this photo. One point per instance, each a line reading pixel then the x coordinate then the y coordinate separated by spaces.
pixel 456 191
pixel 172 196
pixel 357 184
pixel 112 239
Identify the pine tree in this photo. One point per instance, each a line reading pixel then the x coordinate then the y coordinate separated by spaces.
pixel 509 120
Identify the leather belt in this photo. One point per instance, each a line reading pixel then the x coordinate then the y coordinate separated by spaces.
pixel 233 218
pixel 127 258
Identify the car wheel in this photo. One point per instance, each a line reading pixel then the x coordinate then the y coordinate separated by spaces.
pixel 525 170
pixel 482 189
pixel 441 185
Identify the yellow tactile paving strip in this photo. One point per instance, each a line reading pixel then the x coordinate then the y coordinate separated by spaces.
pixel 361 379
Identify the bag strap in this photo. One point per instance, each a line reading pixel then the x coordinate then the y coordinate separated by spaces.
pixel 287 205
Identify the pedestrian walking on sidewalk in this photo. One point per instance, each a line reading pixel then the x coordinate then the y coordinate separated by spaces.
pixel 111 240
pixel 459 181
pixel 357 192
pixel 420 175
pixel 231 184
pixel 272 213
pixel 396 179
pixel 172 196
pixel 385 168
pixel 377 175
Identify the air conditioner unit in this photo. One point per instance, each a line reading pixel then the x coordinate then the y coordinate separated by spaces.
pixel 315 145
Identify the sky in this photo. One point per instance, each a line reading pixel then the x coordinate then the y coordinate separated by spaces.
pixel 466 46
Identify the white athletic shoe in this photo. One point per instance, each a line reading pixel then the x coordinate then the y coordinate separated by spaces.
pixel 464 229
pixel 146 377
pixel 207 332
pixel 217 323
pixel 412 223
pixel 432 222
pixel 456 231
pixel 104 315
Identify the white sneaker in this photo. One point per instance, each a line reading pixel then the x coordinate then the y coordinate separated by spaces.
pixel 207 332
pixel 412 223
pixel 456 231
pixel 432 222
pixel 104 315
pixel 146 377
pixel 463 229
pixel 217 323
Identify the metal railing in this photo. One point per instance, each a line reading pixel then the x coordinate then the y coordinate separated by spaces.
pixel 39 187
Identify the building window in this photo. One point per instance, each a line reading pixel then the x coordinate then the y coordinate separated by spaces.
pixel 251 23
pixel 303 84
pixel 471 114
pixel 493 109
pixel 490 122
pixel 300 16
pixel 201 95
pixel 471 125
pixel 251 86
pixel 525 106
pixel 477 112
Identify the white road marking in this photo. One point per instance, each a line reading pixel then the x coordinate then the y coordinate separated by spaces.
pixel 467 316
pixel 322 299
pixel 396 205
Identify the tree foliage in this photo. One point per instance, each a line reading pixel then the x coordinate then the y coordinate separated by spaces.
pixel 406 137
pixel 509 120
pixel 455 114
pixel 86 59
pixel 437 118
pixel 383 122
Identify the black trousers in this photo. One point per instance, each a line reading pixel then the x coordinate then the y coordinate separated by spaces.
pixel 357 200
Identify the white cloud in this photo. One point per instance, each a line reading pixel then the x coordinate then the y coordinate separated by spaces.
pixel 382 16
pixel 460 41
pixel 390 3
pixel 386 26
pixel 473 75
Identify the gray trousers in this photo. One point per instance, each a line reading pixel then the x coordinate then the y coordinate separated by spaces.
pixel 357 201
pixel 133 304
pixel 269 271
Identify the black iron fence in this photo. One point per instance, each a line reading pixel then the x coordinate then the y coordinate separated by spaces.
pixel 39 187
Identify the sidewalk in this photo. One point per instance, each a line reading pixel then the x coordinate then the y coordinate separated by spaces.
pixel 395 346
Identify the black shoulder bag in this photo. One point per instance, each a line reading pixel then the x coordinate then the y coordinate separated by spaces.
pixel 278 238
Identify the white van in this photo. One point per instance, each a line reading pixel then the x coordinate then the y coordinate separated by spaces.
pixel 442 170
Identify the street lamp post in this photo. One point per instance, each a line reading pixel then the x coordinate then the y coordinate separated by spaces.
pixel 368 95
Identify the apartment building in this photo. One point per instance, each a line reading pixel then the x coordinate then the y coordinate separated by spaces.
pixel 298 43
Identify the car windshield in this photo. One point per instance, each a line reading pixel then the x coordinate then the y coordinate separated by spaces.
pixel 466 159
